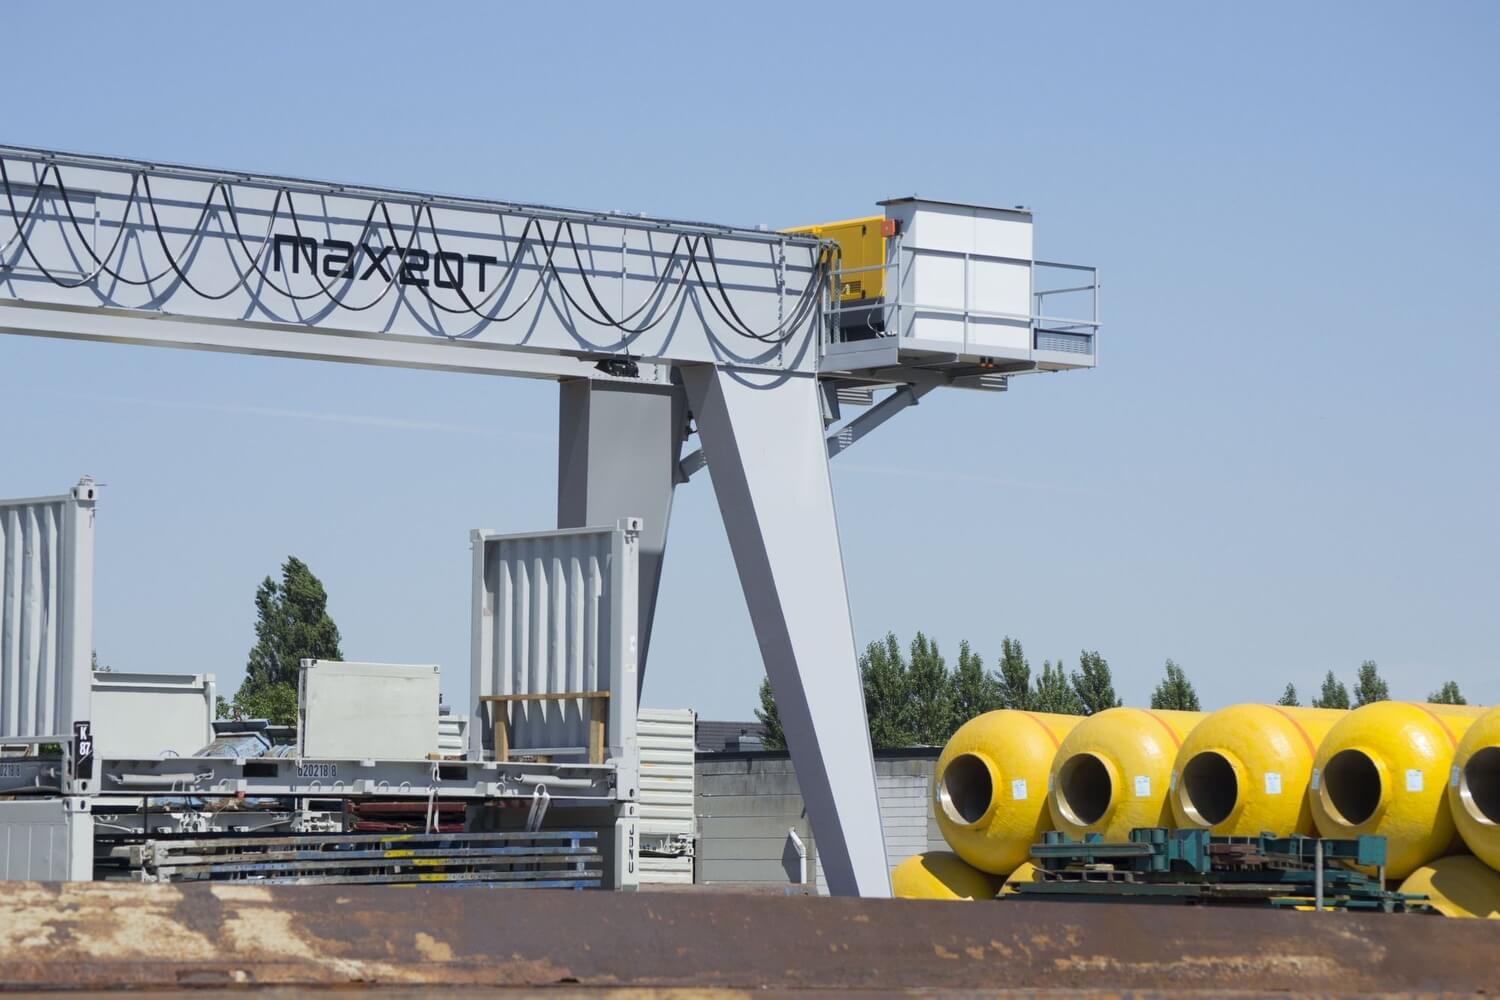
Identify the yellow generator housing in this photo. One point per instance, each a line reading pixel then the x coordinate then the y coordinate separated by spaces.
pixel 862 251
pixel 1383 769
pixel 1244 770
pixel 1111 774
pixel 1474 788
pixel 989 788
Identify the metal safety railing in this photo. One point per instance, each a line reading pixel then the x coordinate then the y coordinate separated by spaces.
pixel 893 314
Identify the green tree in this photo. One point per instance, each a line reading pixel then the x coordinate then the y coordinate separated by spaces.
pixel 931 693
pixel 292 623
pixel 888 702
pixel 276 703
pixel 1176 691
pixel 1053 692
pixel 1092 683
pixel 1289 697
pixel 975 690
pixel 1448 694
pixel 1014 688
pixel 1369 686
pixel 1334 694
pixel 770 718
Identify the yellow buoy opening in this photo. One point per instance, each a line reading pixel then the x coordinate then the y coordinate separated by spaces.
pixel 1480 786
pixel 1209 788
pixel 1085 789
pixel 1351 787
pixel 967 789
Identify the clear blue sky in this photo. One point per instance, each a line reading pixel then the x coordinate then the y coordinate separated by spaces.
pixel 1286 462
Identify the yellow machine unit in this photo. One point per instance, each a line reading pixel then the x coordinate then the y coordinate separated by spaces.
pixel 862 248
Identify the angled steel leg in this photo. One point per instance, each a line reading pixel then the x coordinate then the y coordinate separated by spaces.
pixel 769 464
pixel 618 445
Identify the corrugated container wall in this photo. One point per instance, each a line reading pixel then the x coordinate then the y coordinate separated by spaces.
pixel 46 612
pixel 555 613
pixel 668 825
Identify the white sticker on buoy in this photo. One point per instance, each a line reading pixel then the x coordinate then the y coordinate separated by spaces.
pixel 1313 784
pixel 1453 777
pixel 1413 780
pixel 1143 786
pixel 1018 789
pixel 1273 783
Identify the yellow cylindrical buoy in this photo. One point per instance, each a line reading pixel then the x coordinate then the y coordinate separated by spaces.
pixel 1244 770
pixel 1111 774
pixel 1025 872
pixel 1383 769
pixel 1474 788
pixel 989 788
pixel 941 875
pixel 1458 886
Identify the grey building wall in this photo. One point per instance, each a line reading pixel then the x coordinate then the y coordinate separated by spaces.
pixel 747 803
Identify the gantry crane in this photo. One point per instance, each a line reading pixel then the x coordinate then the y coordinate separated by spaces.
pixel 655 330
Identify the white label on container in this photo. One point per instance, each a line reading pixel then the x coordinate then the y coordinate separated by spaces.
pixel 1018 789
pixel 1142 786
pixel 1413 780
pixel 1453 776
pixel 1313 784
pixel 1172 782
pixel 1273 783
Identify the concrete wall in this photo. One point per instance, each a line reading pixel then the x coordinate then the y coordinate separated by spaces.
pixel 746 803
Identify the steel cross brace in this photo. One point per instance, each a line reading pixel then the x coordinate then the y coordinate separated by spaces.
pixel 840 440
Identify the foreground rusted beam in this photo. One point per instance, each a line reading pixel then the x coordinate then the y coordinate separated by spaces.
pixel 122 935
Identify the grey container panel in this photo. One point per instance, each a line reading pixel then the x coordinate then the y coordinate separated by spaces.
pixel 666 741
pixel 43 840
pixel 139 715
pixel 46 612
pixel 555 613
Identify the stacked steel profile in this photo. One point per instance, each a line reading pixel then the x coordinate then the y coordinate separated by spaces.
pixel 1425 777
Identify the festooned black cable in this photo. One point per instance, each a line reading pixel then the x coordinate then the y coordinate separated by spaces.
pixel 547 268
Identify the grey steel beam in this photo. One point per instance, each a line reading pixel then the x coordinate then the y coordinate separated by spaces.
pixel 839 440
pixel 98 323
pixel 904 396
pixel 618 445
pixel 769 463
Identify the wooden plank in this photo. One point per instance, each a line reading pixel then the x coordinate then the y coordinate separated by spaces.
pixel 596 701
pixel 596 731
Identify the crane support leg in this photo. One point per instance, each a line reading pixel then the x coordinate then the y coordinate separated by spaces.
pixel 769 465
pixel 618 445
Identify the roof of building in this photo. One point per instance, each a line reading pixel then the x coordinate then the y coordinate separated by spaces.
pixel 716 736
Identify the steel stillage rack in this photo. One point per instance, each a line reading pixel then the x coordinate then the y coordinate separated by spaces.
pixel 1193 867
pixel 540 859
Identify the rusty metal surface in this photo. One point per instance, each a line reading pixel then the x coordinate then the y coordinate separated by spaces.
pixel 121 935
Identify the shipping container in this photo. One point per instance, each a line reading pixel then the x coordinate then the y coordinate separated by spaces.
pixel 554 644
pixel 46 612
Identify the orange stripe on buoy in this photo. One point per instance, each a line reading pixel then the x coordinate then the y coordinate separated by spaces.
pixel 1045 728
pixel 1311 747
pixel 1439 720
pixel 1176 740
